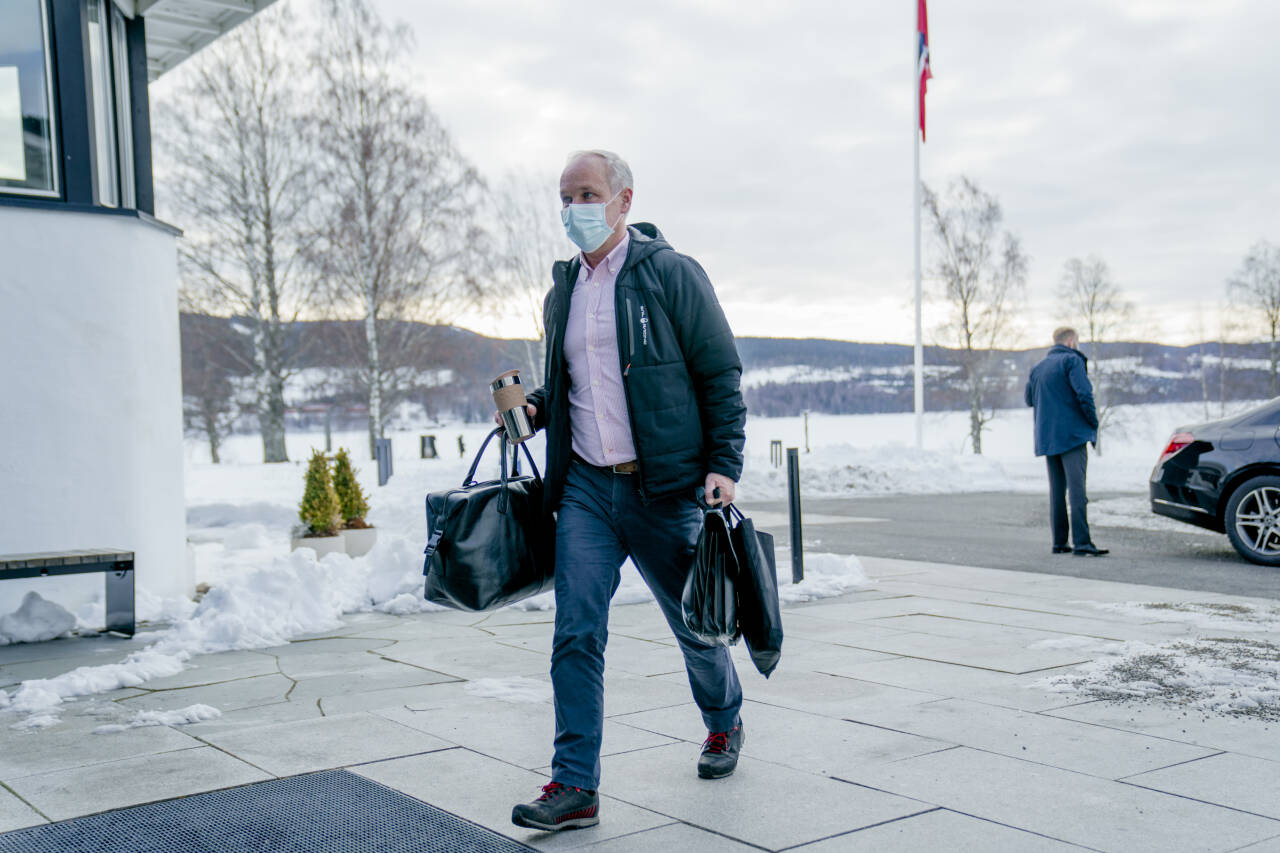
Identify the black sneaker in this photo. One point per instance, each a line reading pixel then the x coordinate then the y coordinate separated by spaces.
pixel 1062 549
pixel 559 807
pixel 720 750
pixel 1091 550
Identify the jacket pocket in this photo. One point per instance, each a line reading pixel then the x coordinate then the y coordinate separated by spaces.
pixel 631 332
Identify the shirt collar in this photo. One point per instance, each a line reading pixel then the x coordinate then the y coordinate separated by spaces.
pixel 612 261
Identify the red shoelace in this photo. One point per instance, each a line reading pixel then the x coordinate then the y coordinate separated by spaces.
pixel 716 742
pixel 551 790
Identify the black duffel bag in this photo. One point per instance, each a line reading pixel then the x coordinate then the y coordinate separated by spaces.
pixel 489 543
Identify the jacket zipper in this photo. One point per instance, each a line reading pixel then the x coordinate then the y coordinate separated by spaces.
pixel 631 338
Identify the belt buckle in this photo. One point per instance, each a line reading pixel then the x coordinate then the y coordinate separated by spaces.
pixel 625 468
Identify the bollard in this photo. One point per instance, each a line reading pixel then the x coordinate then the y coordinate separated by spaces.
pixel 328 429
pixel 428 447
pixel 806 432
pixel 793 497
pixel 462 448
pixel 382 452
pixel 775 453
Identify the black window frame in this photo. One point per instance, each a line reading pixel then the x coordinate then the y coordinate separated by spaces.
pixel 71 119
pixel 51 97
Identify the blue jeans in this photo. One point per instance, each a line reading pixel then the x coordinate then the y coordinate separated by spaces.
pixel 602 521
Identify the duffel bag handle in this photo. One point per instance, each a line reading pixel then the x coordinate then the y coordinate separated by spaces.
pixel 501 434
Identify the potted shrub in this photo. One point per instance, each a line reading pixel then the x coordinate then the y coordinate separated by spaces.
pixel 319 510
pixel 353 507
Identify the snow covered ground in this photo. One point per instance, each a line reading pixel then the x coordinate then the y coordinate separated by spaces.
pixel 240 514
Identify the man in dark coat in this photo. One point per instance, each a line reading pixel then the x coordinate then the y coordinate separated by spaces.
pixel 1066 421
pixel 642 407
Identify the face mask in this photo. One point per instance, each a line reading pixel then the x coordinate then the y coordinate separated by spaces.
pixel 587 225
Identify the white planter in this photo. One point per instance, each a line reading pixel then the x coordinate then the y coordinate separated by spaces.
pixel 359 540
pixel 320 544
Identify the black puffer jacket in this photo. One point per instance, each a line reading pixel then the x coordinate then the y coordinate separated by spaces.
pixel 680 369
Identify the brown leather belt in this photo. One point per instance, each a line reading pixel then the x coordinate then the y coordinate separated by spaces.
pixel 621 468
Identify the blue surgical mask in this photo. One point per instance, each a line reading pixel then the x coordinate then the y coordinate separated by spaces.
pixel 587 225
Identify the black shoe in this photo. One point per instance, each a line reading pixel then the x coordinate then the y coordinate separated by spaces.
pixel 719 755
pixel 559 807
pixel 1062 549
pixel 1091 550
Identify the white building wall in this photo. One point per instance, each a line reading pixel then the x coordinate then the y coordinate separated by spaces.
pixel 90 397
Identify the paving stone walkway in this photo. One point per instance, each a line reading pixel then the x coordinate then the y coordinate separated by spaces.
pixel 903 717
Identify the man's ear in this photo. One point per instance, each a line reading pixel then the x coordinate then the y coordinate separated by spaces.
pixel 626 199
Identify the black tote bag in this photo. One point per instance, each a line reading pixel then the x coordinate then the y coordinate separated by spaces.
pixel 709 604
pixel 759 612
pixel 490 544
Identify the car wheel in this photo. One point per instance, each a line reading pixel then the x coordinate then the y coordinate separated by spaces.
pixel 1253 520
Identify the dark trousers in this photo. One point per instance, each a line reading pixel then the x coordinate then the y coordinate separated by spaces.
pixel 601 522
pixel 1066 485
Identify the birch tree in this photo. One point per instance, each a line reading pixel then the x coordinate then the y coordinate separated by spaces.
pixel 235 172
pixel 396 234
pixel 1088 294
pixel 983 273
pixel 1256 288
pixel 529 238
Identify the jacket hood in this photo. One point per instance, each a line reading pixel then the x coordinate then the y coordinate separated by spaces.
pixel 646 239
pixel 1061 348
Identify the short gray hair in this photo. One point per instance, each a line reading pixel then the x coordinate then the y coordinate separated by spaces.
pixel 1063 334
pixel 619 172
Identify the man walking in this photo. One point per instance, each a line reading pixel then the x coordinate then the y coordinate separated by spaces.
pixel 642 406
pixel 1065 422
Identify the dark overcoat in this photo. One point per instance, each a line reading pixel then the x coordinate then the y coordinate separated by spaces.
pixel 1060 391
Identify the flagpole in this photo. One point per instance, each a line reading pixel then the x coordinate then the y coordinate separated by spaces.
pixel 915 139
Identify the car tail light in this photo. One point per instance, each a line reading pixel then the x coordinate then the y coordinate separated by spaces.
pixel 1176 443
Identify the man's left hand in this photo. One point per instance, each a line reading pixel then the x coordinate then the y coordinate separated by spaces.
pixel 721 482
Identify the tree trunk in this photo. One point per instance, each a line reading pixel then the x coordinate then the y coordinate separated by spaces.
pixel 272 420
pixel 975 413
pixel 375 378
pixel 1271 352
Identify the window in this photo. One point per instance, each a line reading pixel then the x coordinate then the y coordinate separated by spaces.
pixel 28 161
pixel 104 107
pixel 124 107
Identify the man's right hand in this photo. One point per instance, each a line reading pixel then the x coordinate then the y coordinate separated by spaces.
pixel 530 408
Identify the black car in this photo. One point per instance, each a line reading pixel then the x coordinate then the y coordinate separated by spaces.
pixel 1225 475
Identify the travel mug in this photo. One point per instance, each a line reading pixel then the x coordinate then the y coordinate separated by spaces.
pixel 508 396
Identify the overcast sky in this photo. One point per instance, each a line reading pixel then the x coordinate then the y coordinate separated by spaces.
pixel 772 141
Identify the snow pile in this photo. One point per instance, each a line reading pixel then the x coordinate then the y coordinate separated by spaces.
pixel 1237 676
pixel 848 471
pixel 255 608
pixel 36 722
pixel 517 689
pixel 825 576
pixel 181 717
pixel 35 621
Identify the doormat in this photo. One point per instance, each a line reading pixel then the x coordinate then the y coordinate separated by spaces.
pixel 334 812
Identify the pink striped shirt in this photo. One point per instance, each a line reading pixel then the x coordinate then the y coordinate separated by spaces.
pixel 598 416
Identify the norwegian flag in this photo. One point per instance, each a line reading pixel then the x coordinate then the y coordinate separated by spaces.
pixel 923 71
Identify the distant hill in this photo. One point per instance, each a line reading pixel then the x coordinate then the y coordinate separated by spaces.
pixel 781 376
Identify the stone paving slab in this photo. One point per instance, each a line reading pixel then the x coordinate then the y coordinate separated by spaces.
pixel 940 830
pixel 1096 750
pixel 762 803
pixel 73 744
pixel 962 682
pixel 674 838
pixel 15 814
pixel 1271 845
pixel 1073 807
pixel 828 695
pixel 1237 781
pixel 808 742
pixel 519 734
pixel 287 749
pixel 85 790
pixel 226 696
pixel 469 661
pixel 483 790
pixel 1212 731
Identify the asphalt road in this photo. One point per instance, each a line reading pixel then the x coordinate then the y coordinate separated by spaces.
pixel 1011 531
